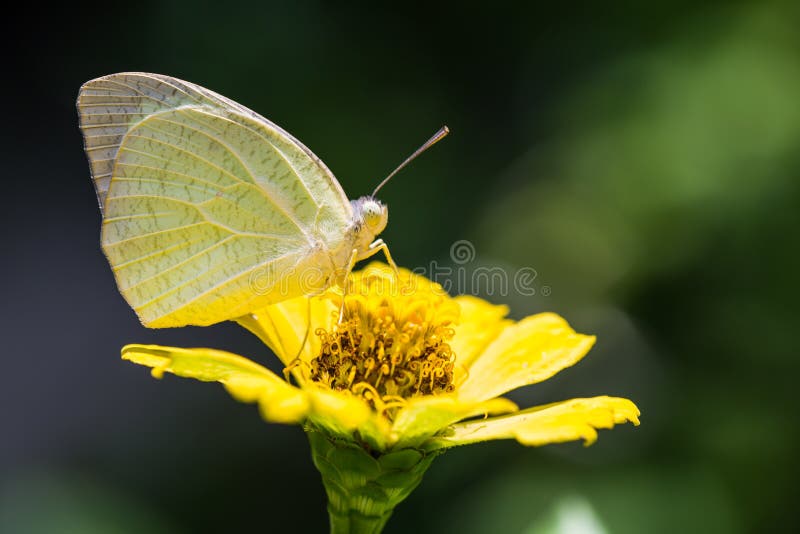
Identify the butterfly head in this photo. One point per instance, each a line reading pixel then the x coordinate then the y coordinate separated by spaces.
pixel 371 213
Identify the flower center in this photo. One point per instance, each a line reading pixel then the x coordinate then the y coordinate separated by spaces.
pixel 386 352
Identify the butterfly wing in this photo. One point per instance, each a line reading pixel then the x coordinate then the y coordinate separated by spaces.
pixel 198 194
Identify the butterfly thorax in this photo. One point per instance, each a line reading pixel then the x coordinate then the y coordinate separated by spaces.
pixel 369 218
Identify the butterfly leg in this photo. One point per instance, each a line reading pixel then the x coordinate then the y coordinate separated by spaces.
pixel 298 361
pixel 308 329
pixel 351 263
pixel 379 245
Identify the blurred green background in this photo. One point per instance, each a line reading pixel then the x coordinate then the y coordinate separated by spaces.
pixel 644 159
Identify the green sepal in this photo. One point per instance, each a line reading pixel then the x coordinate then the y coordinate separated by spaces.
pixel 363 489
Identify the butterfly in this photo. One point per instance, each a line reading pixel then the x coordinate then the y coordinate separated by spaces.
pixel 210 211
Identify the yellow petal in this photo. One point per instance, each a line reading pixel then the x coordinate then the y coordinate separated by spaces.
pixel 425 416
pixel 283 326
pixel 527 352
pixel 378 277
pixel 245 380
pixel 479 324
pixel 563 421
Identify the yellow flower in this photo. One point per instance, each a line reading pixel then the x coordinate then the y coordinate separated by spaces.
pixel 400 373
pixel 405 366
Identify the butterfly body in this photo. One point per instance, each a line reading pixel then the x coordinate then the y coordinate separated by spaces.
pixel 211 211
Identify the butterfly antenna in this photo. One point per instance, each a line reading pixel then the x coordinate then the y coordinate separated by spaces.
pixel 438 136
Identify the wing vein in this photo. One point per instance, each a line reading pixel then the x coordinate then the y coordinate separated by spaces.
pixel 223 283
pixel 276 149
pixel 212 185
pixel 195 156
pixel 136 216
pixel 267 195
pixel 181 263
pixel 151 234
pixel 157 252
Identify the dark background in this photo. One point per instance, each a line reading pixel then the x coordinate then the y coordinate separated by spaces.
pixel 642 158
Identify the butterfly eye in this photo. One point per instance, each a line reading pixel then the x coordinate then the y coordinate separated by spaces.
pixel 373 215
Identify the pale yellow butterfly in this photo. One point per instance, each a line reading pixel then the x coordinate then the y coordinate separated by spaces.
pixel 210 211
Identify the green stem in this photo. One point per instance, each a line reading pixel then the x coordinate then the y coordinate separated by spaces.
pixel 363 489
pixel 356 523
